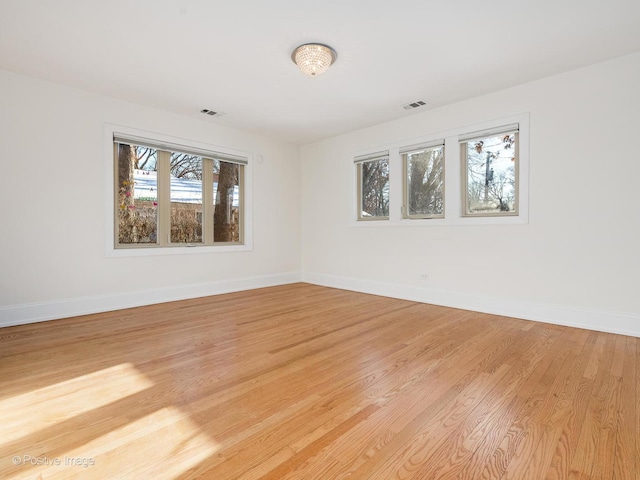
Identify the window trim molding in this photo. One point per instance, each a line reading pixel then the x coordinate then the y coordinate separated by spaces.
pixel 214 154
pixel 110 202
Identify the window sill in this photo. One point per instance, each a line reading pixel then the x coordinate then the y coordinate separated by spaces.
pixel 445 222
pixel 162 251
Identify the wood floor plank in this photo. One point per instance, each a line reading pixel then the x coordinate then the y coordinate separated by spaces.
pixel 238 461
pixel 352 380
pixel 413 372
pixel 307 382
pixel 514 445
pixel 568 415
pixel 485 361
pixel 469 449
pixel 551 414
pixel 591 432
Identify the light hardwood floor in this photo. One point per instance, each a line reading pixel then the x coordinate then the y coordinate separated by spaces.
pixel 307 382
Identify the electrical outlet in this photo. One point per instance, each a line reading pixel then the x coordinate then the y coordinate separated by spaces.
pixel 423 276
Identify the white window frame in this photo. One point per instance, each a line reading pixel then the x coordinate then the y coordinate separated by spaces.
pixel 464 142
pixel 111 250
pixel 454 207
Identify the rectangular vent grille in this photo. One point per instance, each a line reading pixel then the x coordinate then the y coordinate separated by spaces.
pixel 211 113
pixel 417 104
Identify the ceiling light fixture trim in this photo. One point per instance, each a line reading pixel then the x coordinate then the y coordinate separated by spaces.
pixel 314 58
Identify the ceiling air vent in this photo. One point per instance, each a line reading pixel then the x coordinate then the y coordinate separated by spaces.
pixel 413 105
pixel 211 113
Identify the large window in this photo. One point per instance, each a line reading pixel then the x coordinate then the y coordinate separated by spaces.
pixel 423 180
pixel 373 186
pixel 174 195
pixel 490 166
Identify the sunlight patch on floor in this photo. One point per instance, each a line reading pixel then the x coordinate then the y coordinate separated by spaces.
pixel 161 445
pixel 53 404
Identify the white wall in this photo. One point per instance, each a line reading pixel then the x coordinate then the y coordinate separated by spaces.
pixel 576 262
pixel 52 192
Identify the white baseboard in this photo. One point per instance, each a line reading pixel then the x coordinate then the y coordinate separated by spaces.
pixel 611 322
pixel 41 311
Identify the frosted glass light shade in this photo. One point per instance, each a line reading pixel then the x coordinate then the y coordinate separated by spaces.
pixel 313 58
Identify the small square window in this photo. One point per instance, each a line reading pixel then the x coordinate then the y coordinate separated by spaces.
pixel 490 174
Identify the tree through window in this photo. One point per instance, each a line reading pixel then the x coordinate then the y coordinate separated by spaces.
pixel 424 181
pixel 168 196
pixel 373 186
pixel 490 163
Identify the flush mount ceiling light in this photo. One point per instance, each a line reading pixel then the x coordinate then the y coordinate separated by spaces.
pixel 314 58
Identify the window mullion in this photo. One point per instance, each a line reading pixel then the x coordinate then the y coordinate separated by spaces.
pixel 241 199
pixel 359 191
pixel 516 153
pixel 164 198
pixel 207 201
pixel 405 187
pixel 464 179
pixel 116 203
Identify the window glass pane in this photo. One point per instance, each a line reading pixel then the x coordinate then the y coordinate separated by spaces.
pixel 186 198
pixel 491 174
pixel 374 178
pixel 226 195
pixel 425 182
pixel 137 192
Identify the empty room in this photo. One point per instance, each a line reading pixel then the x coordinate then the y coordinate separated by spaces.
pixel 319 240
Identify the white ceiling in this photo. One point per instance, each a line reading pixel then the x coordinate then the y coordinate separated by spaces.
pixel 235 56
